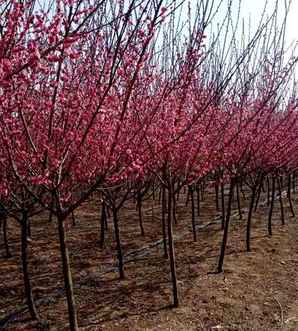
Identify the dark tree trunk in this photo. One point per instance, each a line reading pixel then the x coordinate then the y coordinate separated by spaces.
pixel 271 207
pixel 238 202
pixel 118 243
pixel 139 205
pixel 174 208
pixel 163 219
pixel 29 228
pixel 193 217
pixel 103 220
pixel 241 190
pixel 216 197
pixel 290 196
pixel 26 276
pixel 249 216
pixel 159 195
pixel 282 213
pixel 172 248
pixel 198 200
pixel 222 205
pixel 258 195
pixel 226 228
pixel 268 191
pixel 72 314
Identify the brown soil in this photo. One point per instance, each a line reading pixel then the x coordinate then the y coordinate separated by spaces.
pixel 257 291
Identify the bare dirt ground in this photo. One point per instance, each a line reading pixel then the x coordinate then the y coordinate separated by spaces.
pixel 257 291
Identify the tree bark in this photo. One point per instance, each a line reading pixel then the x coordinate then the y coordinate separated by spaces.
pixel 24 258
pixel 163 220
pixel 139 205
pixel 193 216
pixel 290 196
pixel 216 197
pixel 198 200
pixel 222 206
pixel 249 216
pixel 72 314
pixel 282 213
pixel 271 207
pixel 238 202
pixel 118 243
pixel 172 248
pixel 226 228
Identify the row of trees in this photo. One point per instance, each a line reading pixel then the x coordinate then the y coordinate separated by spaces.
pixel 126 97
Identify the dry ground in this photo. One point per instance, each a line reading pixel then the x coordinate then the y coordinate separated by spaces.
pixel 257 291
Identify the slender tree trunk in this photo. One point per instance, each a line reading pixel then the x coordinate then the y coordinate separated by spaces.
pixel 241 190
pixel 139 205
pixel 249 216
pixel 26 276
pixel 222 206
pixel 193 217
pixel 268 191
pixel 174 209
pixel 118 243
pixel 72 314
pixel 290 196
pixel 172 248
pixel 238 202
pixel 163 219
pixel 187 198
pixel 6 245
pixel 226 227
pixel 271 207
pixel 159 195
pixel 178 194
pixel 258 195
pixel 282 213
pixel 216 197
pixel 198 200
pixel 103 219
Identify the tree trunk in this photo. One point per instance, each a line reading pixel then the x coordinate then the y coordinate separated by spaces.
pixel 222 206
pixel 174 208
pixel 289 196
pixel 172 248
pixel 258 194
pixel 238 202
pixel 139 205
pixel 193 217
pixel 216 197
pixel 268 191
pixel 118 243
pixel 72 314
pixel 226 228
pixel 282 213
pixel 271 207
pixel 163 219
pixel 248 225
pixel 24 258
pixel 198 200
